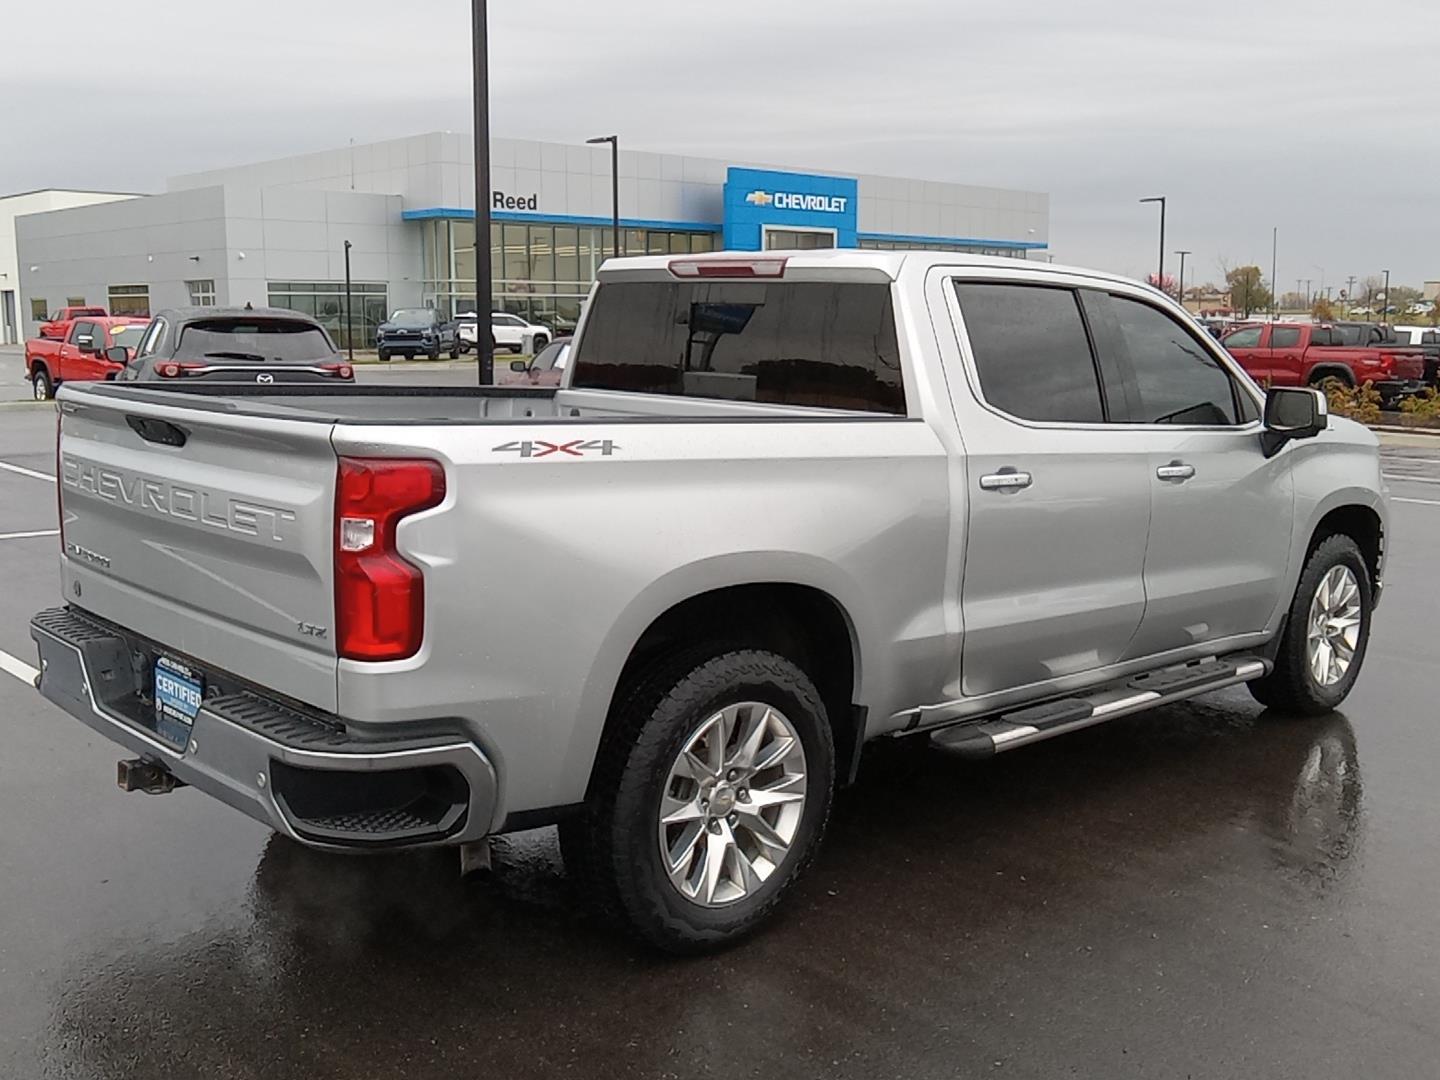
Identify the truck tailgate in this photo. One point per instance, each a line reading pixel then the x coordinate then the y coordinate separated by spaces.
pixel 208 531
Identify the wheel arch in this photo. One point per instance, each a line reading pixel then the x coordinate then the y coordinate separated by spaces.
pixel 800 615
pixel 1363 524
pixel 1320 372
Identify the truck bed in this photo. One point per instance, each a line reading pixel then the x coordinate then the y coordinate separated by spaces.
pixel 351 403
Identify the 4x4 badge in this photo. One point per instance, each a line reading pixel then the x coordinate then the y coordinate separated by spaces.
pixel 538 448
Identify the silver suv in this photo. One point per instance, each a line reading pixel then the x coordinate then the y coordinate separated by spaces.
pixel 781 505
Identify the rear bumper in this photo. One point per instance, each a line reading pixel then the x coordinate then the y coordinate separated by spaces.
pixel 302 774
pixel 1391 390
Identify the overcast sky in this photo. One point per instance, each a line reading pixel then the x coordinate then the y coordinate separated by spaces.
pixel 1319 118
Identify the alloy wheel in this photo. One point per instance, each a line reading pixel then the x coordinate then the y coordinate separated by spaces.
pixel 732 804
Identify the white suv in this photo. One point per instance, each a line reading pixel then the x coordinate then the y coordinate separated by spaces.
pixel 509 331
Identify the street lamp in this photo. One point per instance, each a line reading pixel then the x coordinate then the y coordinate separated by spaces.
pixel 1160 273
pixel 349 321
pixel 614 141
pixel 1385 301
pixel 1181 291
pixel 484 286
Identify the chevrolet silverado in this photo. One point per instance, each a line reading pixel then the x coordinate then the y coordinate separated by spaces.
pixel 785 504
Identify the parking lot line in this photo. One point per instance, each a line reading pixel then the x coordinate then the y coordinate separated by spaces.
pixel 13 665
pixel 21 470
pixel 28 535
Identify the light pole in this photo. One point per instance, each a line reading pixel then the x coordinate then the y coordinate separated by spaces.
pixel 1385 301
pixel 1274 285
pixel 349 320
pixel 484 285
pixel 1181 291
pixel 614 141
pixel 1160 273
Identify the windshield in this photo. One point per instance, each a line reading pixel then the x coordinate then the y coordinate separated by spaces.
pixel 129 336
pixel 413 317
pixel 254 340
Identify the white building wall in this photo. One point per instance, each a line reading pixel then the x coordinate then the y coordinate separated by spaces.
pixel 436 172
pixel 33 202
pixel 241 238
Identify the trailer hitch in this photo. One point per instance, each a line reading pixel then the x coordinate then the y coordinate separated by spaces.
pixel 148 776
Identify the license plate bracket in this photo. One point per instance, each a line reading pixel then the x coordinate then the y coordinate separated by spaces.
pixel 179 691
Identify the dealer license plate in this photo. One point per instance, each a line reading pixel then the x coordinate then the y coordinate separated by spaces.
pixel 178 694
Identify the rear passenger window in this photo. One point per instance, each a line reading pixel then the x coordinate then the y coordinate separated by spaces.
pixel 1031 351
pixel 1178 380
pixel 1284 337
pixel 1243 339
pixel 828 344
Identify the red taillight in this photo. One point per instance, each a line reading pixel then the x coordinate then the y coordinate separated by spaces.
pixel 728 268
pixel 169 369
pixel 379 596
pixel 341 370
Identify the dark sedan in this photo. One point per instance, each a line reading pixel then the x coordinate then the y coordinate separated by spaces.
pixel 234 345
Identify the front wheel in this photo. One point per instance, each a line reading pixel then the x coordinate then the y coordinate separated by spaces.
pixel 41 385
pixel 540 342
pixel 385 355
pixel 709 799
pixel 1326 633
pixel 455 352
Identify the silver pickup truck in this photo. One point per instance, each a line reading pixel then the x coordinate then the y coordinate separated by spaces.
pixel 782 505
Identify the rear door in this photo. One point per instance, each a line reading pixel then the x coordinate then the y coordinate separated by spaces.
pixel 1287 355
pixel 1058 501
pixel 1221 512
pixel 208 531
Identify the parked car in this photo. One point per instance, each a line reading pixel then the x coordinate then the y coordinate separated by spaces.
pixel 84 354
pixel 58 325
pixel 511 333
pixel 1427 340
pixel 1299 354
pixel 215 345
pixel 780 505
pixel 412 332
pixel 545 369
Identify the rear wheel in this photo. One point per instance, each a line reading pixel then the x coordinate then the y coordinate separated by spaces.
pixel 434 353
pixel 455 351
pixel 540 342
pixel 1326 633
pixel 708 800
pixel 41 384
pixel 385 354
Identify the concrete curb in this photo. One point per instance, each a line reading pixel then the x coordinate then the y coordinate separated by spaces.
pixel 26 404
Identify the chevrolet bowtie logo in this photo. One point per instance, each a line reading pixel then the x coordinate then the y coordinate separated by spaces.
pixel 760 198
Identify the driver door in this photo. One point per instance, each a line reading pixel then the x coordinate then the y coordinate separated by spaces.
pixel 1221 512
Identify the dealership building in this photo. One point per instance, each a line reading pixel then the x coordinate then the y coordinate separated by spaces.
pixel 276 233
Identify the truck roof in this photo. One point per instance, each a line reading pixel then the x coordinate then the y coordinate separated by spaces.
pixel 830 260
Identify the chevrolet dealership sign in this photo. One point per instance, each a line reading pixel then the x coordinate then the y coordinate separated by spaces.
pixel 757 200
pixel 794 200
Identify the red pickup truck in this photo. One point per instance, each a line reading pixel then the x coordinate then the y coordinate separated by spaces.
pixel 82 356
pixel 58 325
pixel 1298 354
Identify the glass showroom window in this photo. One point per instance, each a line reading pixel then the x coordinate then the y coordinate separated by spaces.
pixel 324 301
pixel 202 293
pixel 39 310
pixel 130 300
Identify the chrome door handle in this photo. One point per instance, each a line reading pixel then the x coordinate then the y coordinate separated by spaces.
pixel 1005 481
pixel 1176 470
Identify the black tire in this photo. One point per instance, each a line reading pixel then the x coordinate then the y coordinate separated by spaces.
pixel 516 349
pixel 42 385
pixel 612 848
pixel 455 352
pixel 1291 688
pixel 385 355
pixel 434 353
pixel 540 342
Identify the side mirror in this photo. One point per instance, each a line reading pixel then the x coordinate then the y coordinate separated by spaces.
pixel 118 354
pixel 1293 412
pixel 520 367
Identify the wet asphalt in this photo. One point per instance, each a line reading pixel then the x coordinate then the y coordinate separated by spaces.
pixel 1202 891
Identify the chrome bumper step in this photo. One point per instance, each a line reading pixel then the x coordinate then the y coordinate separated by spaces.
pixel 1036 723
